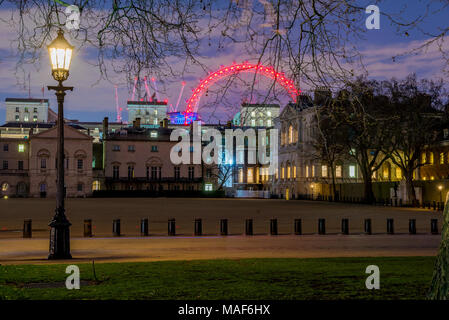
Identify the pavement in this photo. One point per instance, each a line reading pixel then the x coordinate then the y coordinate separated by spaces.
pixel 129 249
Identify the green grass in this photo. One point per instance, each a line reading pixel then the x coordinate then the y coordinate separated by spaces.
pixel 278 279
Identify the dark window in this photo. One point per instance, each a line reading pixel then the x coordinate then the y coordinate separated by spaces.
pixel 208 173
pixel 191 173
pixel 5 164
pixel 115 172
pixel 130 172
pixel 80 164
pixel 20 165
pixel 154 149
pixel 79 187
pixel 35 110
pixel 153 173
pixel 148 173
pixel 17 109
pixel 43 163
pixel 159 172
pixel 6 147
pixel 177 172
pixel 131 148
pixel 116 148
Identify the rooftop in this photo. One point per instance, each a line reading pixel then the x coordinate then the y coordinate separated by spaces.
pixel 25 100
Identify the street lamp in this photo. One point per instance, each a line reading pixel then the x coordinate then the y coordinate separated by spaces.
pixel 440 187
pixel 60 52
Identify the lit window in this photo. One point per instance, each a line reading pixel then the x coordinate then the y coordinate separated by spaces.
pixel 290 134
pixel 253 123
pixel 288 172
pixel 208 187
pixel 442 158
pixel 96 185
pixel 282 173
pixel 261 123
pixel 268 123
pixel 250 175
pixel 431 158
pixel 324 171
pixel 277 173
pixel 153 134
pixel 338 171
pixel 26 118
pixel 307 171
pixel 423 158
pixel 268 113
pixel 253 114
pixel 386 173
pixel 240 175
pixel 154 149
pixel 313 171
pixel 398 173
pixel 5 186
pixel 21 148
pixel 35 118
pixel 352 171
pixel 17 117
pixel 294 172
pixel 432 178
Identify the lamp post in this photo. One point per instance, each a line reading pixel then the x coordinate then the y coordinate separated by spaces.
pixel 60 52
pixel 440 187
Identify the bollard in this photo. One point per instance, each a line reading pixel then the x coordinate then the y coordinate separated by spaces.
pixel 434 226
pixel 321 226
pixel 249 227
pixel 344 226
pixel 274 227
pixel 224 227
pixel 171 227
pixel 27 230
pixel 390 226
pixel 298 227
pixel 367 226
pixel 116 228
pixel 88 228
pixel 198 227
pixel 144 227
pixel 412 226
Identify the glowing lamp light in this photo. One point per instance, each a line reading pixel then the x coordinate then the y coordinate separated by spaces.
pixel 60 52
pixel 440 187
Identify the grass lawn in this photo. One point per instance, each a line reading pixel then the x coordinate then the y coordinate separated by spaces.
pixel 278 279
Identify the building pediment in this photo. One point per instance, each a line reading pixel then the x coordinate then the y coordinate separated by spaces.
pixel 69 133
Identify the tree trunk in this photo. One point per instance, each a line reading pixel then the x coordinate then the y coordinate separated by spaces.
pixel 439 288
pixel 409 187
pixel 368 195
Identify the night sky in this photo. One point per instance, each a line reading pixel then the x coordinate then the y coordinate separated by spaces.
pixel 92 100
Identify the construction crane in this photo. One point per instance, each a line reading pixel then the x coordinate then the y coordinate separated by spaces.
pixel 118 109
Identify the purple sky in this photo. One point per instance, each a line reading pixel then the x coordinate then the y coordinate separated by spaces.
pixel 92 100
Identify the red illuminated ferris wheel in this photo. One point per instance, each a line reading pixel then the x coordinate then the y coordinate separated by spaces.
pixel 267 71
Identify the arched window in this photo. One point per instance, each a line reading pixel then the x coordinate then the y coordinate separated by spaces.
pixel 431 158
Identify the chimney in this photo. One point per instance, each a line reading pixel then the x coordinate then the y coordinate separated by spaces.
pixel 165 123
pixel 105 126
pixel 137 124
